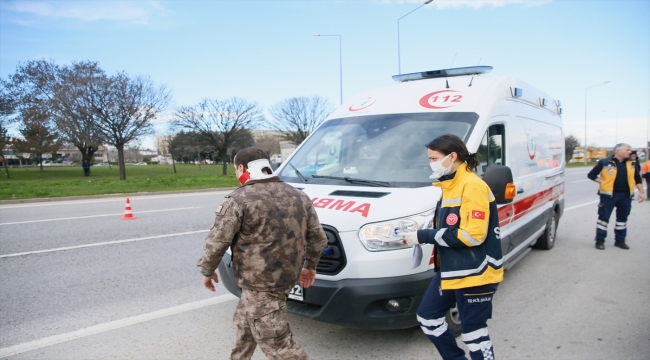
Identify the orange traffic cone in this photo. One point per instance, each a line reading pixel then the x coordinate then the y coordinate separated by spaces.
pixel 127 211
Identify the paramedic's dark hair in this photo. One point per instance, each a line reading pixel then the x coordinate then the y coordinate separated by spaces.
pixel 246 155
pixel 448 143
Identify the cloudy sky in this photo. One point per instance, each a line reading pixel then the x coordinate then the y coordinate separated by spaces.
pixel 264 51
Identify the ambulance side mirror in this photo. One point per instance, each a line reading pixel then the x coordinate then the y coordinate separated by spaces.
pixel 499 179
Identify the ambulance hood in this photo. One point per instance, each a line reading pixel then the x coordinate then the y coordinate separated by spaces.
pixel 336 207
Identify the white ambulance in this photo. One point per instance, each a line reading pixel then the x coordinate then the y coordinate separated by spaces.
pixel 367 173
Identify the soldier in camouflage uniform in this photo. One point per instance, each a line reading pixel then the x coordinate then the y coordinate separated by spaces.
pixel 270 227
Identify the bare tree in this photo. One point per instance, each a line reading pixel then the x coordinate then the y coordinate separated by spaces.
pixel 74 103
pixel 7 109
pixel 125 108
pixel 68 93
pixel 39 135
pixel 298 117
pixel 570 143
pixel 222 123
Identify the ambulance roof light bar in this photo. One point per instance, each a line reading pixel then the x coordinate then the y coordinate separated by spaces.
pixel 471 70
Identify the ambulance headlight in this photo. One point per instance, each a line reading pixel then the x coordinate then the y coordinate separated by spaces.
pixel 383 236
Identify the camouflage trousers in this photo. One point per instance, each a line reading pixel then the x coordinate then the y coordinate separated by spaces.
pixel 261 319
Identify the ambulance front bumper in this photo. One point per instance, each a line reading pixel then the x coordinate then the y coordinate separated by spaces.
pixel 381 303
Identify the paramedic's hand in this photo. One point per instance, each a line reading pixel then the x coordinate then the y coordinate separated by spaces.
pixel 207 281
pixel 641 197
pixel 307 278
pixel 410 238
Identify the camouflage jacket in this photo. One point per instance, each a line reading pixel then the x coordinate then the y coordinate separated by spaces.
pixel 270 227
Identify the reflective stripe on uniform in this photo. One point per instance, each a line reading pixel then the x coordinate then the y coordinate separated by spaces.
pixel 479 346
pixel 620 226
pixel 431 322
pixel 440 326
pixel 450 202
pixel 438 237
pixel 437 332
pixel 474 334
pixel 457 273
pixel 470 239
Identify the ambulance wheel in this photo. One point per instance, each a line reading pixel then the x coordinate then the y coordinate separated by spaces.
pixel 547 240
pixel 453 321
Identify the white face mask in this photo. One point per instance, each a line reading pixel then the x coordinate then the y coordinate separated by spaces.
pixel 438 169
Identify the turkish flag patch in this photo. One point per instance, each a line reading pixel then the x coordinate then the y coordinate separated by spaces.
pixel 476 214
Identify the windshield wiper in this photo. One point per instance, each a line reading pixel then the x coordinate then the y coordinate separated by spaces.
pixel 298 173
pixel 353 180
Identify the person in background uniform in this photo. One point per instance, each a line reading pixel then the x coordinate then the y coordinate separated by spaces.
pixel 270 227
pixel 86 166
pixel 645 173
pixel 466 237
pixel 617 176
pixel 634 157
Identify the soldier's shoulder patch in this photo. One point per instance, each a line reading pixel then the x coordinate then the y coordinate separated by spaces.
pixel 221 210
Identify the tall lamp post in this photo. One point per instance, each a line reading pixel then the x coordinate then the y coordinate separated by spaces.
pixel 399 64
pixel 340 65
pixel 586 148
pixel 616 130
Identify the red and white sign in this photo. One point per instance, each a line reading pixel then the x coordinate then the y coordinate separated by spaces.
pixel 531 146
pixel 363 104
pixel 341 205
pixel 441 99
pixel 452 219
pixel 476 214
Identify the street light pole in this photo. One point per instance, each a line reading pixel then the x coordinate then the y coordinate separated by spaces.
pixel 586 149
pixel 616 130
pixel 340 65
pixel 399 64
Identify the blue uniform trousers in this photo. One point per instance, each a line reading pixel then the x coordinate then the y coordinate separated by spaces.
pixel 474 307
pixel 623 203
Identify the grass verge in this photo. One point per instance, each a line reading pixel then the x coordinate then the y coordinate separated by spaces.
pixel 27 183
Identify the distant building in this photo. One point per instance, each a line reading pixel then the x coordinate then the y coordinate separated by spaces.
pixel 162 144
pixel 72 153
pixel 259 134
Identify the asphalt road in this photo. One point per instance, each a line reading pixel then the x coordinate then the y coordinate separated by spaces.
pixel 76 282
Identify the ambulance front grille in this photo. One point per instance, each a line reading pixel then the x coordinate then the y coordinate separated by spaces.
pixel 332 260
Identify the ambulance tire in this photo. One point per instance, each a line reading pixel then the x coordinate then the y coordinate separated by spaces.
pixel 453 321
pixel 547 240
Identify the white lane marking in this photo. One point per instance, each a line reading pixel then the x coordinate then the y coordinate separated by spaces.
pixel 112 325
pixel 116 198
pixel 581 205
pixel 581 180
pixel 102 243
pixel 92 216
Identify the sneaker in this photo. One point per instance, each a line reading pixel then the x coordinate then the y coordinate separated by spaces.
pixel 600 245
pixel 622 245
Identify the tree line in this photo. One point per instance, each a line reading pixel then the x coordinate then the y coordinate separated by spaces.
pixel 79 104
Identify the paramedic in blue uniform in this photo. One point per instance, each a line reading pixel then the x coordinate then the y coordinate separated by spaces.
pixel 466 236
pixel 617 176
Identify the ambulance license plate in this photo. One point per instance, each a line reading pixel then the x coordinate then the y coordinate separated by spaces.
pixel 296 293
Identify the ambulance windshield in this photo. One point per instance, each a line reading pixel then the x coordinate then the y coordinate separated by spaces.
pixel 376 150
